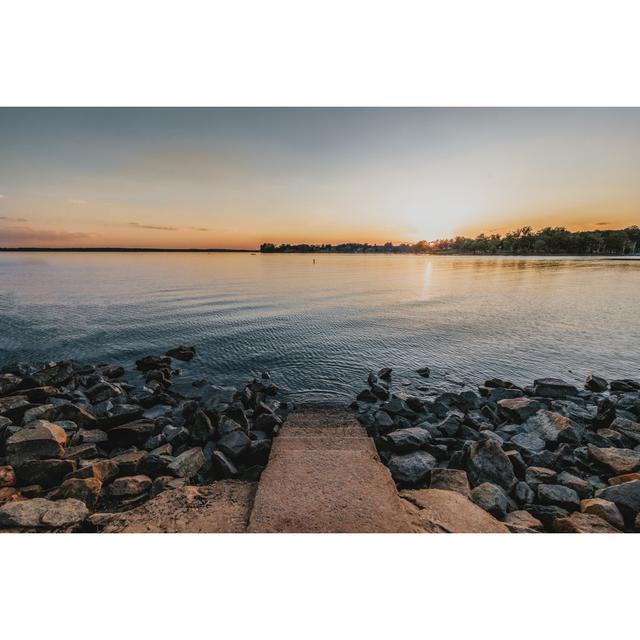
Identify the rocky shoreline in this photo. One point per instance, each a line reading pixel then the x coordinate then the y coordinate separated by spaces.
pixel 77 441
pixel 546 457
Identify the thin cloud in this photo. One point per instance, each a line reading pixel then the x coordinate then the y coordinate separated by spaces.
pixel 197 228
pixel 10 219
pixel 137 225
pixel 602 224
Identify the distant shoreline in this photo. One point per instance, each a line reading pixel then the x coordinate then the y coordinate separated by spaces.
pixel 121 250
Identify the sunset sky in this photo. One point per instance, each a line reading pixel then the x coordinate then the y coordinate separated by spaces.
pixel 233 178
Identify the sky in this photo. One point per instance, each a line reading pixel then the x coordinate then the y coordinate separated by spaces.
pixel 234 178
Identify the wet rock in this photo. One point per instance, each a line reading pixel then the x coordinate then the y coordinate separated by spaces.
pixel 41 513
pixel 366 395
pixel 559 496
pixel 7 477
pixel 424 372
pixel 102 390
pixel 46 473
pixel 582 523
pixel 626 497
pixel 149 363
pixel 188 463
pixel 41 439
pixel 519 409
pixel 411 468
pixel 595 383
pixel 604 509
pixel 129 486
pixel 55 375
pixel 403 440
pixel 488 463
pixel 491 498
pixel 628 428
pixel 182 353
pixel 580 486
pixel 605 414
pixel 234 444
pixel 450 480
pixel 553 388
pixel 624 385
pixel 522 522
pixel 495 395
pixel 379 391
pixel 9 383
pixel 269 423
pixel 87 490
pixel 385 373
pixel 618 461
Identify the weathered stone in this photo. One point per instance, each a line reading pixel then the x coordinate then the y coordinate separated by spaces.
pixel 553 388
pixel 424 372
pixel 552 427
pixel 547 514
pixel 38 513
pixel 450 480
pixel 580 486
pixel 605 414
pixel 223 467
pixel 626 496
pixel 410 439
pixel 46 473
pixel 103 470
pixel 201 428
pixel 55 375
pixel 9 494
pixel 625 477
pixel 152 362
pixel 41 412
pixel 582 523
pixel 411 468
pixel 234 444
pixel 379 391
pixel 84 451
pixel 103 390
pixel 130 462
pixel 132 434
pixel 618 461
pixel 187 464
pixel 557 495
pixel 129 486
pixel 628 428
pixel 527 443
pixel 604 509
pixel 491 498
pixel 182 353
pixel 91 436
pixel 87 490
pixel 166 483
pixel 41 439
pixel 81 416
pixel 519 409
pixel 539 475
pixel 624 385
pixel 595 383
pixel 7 477
pixel 489 463
pixel 523 493
pixel 522 522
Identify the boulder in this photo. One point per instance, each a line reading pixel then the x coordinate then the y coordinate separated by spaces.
pixel 519 409
pixel 410 439
pixel 595 383
pixel 149 363
pixel 201 428
pixel 42 439
pixel 618 461
pixel 366 395
pixel 438 510
pixel 539 475
pixel 40 412
pixel 626 385
pixel 411 468
pixel 580 486
pixel 552 427
pixel 489 463
pixel 523 493
pixel 42 513
pixel 87 490
pixel 46 473
pixel 625 477
pixel 182 353
pixel 604 509
pixel 450 480
pixel 223 467
pixel 132 434
pixel 522 522
pixel 424 372
pixel 81 416
pixel 491 498
pixel 234 444
pixel 553 388
pixel 547 514
pixel 605 414
pixel 9 494
pixel 582 523
pixel 628 428
pixel 103 470
pixel 54 375
pixel 129 486
pixel 626 497
pixel 187 464
pixel 7 477
pixel 129 463
pixel 527 443
pixel 559 496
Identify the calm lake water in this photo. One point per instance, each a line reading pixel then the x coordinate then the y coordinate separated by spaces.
pixel 320 327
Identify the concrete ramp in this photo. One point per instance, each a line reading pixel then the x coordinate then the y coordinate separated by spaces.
pixel 324 476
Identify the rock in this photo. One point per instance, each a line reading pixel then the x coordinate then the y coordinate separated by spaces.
pixel 182 353
pixel 411 468
pixel 628 428
pixel 223 466
pixel 42 439
pixel 7 477
pixel 46 473
pixel 187 464
pixel 379 391
pixel 450 480
pixel 605 414
pixel 383 422
pixel 527 443
pixel 366 395
pixel 522 522
pixel 582 523
pixel 547 514
pixel 625 385
pixel 55 375
pixel 626 477
pixel 604 509
pixel 9 383
pixel 81 416
pixel 385 373
pixel 87 490
pixel 132 434
pixel 559 496
pixel 129 463
pixel 103 470
pixel 626 497
pixel 9 494
pixel 552 427
pixel 595 383
pixel 491 498
pixel 424 372
pixel 91 436
pixel 201 428
pixel 403 440
pixel 234 444
pixel 102 391
pixel 129 486
pixel 41 412
pixel 489 463
pixel 618 461
pixel 495 395
pixel 580 486
pixel 519 409
pixel 553 388
pixel 84 451
pixel 166 483
pixel 39 513
pixel 523 493
pixel 148 363
pixel 437 510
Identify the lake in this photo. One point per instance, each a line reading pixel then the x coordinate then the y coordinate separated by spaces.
pixel 320 327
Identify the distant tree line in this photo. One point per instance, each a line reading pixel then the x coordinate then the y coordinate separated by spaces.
pixel 525 241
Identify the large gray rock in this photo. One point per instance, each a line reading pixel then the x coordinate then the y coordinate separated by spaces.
pixel 553 388
pixel 491 498
pixel 626 496
pixel 41 513
pixel 42 439
pixel 235 444
pixel 46 473
pixel 489 463
pixel 411 468
pixel 187 464
pixel 519 409
pixel 408 439
pixel 580 486
pixel 559 496
pixel 595 383
pixel 552 427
